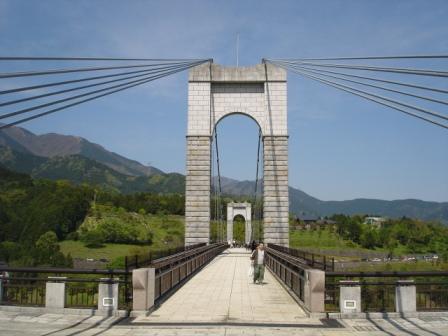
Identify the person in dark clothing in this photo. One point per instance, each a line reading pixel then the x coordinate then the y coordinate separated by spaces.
pixel 253 246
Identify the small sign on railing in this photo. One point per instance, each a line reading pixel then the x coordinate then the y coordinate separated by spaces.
pixel 108 302
pixel 349 304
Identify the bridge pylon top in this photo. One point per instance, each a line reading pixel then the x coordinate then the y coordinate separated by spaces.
pixel 212 72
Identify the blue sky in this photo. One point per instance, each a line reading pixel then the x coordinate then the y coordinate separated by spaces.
pixel 341 147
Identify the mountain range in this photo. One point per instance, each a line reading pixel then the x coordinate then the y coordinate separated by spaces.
pixel 56 156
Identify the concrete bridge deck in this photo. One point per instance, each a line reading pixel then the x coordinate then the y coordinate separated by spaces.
pixel 223 292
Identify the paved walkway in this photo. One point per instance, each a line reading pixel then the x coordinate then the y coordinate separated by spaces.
pixel 223 292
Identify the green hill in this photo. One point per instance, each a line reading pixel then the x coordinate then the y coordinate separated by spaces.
pixel 79 169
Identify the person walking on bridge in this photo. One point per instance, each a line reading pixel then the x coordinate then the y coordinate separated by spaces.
pixel 253 246
pixel 258 258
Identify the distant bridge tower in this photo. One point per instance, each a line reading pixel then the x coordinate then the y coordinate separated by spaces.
pixel 244 210
pixel 258 92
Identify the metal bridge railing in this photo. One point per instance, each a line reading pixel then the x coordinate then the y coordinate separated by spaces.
pixel 378 290
pixel 314 260
pixel 142 260
pixel 291 271
pixel 27 286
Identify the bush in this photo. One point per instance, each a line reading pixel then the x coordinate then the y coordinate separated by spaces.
pixel 116 231
pixel 73 236
pixel 93 238
pixel 10 251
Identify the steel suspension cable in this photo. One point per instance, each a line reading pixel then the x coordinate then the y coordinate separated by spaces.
pixel 140 82
pixel 15 58
pixel 260 206
pixel 64 71
pixel 414 86
pixel 435 114
pixel 33 108
pixel 256 182
pixel 41 86
pixel 219 188
pixel 371 58
pixel 144 73
pixel 366 96
pixel 318 72
pixel 212 187
pixel 219 173
pixel 407 71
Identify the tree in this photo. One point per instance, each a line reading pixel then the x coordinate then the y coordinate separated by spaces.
pixel 47 251
pixel 48 243
pixel 368 238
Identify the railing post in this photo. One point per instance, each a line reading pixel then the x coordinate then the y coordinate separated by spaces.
pixel 1 289
pixel 349 296
pixel 314 289
pixel 55 292
pixel 107 295
pixel 143 289
pixel 405 296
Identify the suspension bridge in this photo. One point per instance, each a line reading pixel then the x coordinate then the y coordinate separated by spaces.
pixel 206 284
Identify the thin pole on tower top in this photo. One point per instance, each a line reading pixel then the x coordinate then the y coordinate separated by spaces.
pixel 237 48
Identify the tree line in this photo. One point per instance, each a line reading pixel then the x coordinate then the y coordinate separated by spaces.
pixel 414 235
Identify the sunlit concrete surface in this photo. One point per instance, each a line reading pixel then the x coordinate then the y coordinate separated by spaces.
pixel 26 324
pixel 224 292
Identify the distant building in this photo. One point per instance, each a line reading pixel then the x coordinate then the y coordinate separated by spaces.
pixel 375 221
pixel 310 221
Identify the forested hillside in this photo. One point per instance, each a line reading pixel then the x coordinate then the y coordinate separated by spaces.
pixel 35 214
pixel 79 169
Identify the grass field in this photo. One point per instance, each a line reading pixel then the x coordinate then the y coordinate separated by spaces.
pixel 109 251
pixel 327 242
pixel 323 239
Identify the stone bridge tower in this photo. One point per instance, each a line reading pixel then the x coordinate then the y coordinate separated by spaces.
pixel 258 92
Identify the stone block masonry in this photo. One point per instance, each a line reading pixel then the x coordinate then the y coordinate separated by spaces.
pixel 197 194
pixel 276 195
pixel 215 92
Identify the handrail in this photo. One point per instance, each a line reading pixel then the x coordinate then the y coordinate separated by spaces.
pixel 309 258
pixel 183 262
pixel 158 263
pixel 291 259
pixel 108 280
pixel 381 274
pixel 64 270
pixel 136 261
